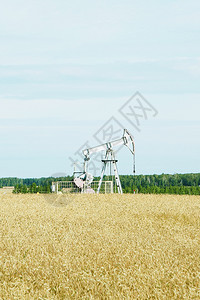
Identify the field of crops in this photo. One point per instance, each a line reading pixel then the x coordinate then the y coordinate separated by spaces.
pixel 99 247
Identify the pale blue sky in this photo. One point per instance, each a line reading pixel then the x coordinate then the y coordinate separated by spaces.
pixel 66 67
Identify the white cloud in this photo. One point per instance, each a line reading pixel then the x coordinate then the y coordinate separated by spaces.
pixel 48 31
pixel 74 110
pixel 35 109
pixel 176 107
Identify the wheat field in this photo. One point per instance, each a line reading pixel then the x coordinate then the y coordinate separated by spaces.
pixel 99 247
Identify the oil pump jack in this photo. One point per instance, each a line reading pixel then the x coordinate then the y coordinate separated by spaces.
pixel 126 140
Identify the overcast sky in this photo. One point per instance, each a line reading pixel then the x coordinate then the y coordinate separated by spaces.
pixel 67 67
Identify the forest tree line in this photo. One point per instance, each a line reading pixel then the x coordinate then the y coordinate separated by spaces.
pixel 156 184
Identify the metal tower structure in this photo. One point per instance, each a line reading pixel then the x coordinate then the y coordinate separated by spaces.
pixel 126 140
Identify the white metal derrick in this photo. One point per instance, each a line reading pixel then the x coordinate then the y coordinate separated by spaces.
pixel 126 140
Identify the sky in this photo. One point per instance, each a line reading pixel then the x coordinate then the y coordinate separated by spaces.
pixel 68 67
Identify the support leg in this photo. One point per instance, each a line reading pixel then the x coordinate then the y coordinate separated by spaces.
pixel 102 173
pixel 117 179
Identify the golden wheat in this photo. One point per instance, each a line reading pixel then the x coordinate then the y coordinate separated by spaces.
pixel 99 247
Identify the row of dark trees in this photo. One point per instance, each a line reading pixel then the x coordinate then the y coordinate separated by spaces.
pixel 13 181
pixel 33 189
pixel 163 180
pixel 164 183
pixel 178 190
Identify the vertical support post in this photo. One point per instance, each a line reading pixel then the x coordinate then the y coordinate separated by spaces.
pixel 57 187
pixel 111 187
pixel 102 172
pixel 101 179
pixel 117 179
